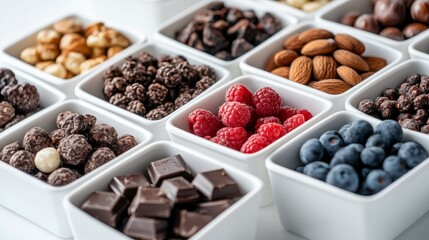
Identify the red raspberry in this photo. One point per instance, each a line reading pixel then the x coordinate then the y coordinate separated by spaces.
pixel 261 121
pixel 235 114
pixel 255 143
pixel 221 141
pixel 271 131
pixel 203 123
pixel 239 93
pixel 286 112
pixel 307 114
pixel 234 136
pixel 294 122
pixel 267 102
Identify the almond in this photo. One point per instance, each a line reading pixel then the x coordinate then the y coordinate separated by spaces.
pixel 350 59
pixel 332 86
pixel 281 71
pixel 311 83
pixel 324 67
pixel 293 43
pixel 270 65
pixel 301 70
pixel 349 75
pixel 349 43
pixel 366 75
pixel 285 57
pixel 314 34
pixel 375 63
pixel 318 47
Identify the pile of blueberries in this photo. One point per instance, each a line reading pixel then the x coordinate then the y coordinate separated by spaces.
pixel 360 159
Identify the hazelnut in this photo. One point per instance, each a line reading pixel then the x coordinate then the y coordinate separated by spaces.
pixel 57 70
pixel 96 52
pixel 99 39
pixel 90 63
pixel 47 160
pixel 43 65
pixel 30 55
pixel 47 51
pixel 393 33
pixel 68 25
pixel 420 11
pixel 78 46
pixel 350 18
pixel 70 38
pixel 368 23
pixel 413 29
pixel 296 3
pixel 48 36
pixel 96 26
pixel 390 13
pixel 117 39
pixel 72 61
pixel 112 51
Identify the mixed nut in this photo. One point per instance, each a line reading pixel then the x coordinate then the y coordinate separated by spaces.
pixel 306 5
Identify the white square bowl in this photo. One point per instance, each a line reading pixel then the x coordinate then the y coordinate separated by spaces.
pixel 91 89
pixel 12 52
pixel 419 49
pixel 330 18
pixel 237 222
pixel 38 201
pixel 254 163
pixel 317 210
pixel 166 31
pixel 254 62
pixel 48 96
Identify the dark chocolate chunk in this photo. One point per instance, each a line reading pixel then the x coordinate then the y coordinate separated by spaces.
pixel 195 42
pixel 239 47
pixel 8 112
pixel 214 38
pixel 213 208
pixel 243 29
pixel 234 15
pixel 146 228
pixel 179 190
pixel 150 202
pixel 270 24
pixel 106 207
pixel 169 167
pixel 127 185
pixel 189 223
pixel 215 185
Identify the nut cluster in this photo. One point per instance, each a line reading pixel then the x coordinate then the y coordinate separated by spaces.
pixel 78 146
pixel 155 87
pixel 306 5
pixel 408 104
pixel 395 19
pixel 227 33
pixel 69 49
pixel 331 63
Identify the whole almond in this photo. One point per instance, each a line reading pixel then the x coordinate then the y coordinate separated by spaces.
pixel 301 70
pixel 332 86
pixel 314 34
pixel 318 47
pixel 349 75
pixel 285 57
pixel 350 59
pixel 281 71
pixel 375 63
pixel 324 67
pixel 270 65
pixel 311 83
pixel 293 43
pixel 366 75
pixel 349 43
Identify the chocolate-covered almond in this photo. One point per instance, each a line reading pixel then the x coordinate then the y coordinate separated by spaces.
pixel 420 11
pixel 368 23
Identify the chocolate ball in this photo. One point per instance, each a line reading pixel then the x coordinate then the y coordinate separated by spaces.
pixel 36 139
pixel 124 143
pixel 368 23
pixel 350 18
pixel 74 149
pixel 413 29
pixel 23 160
pixel 8 151
pixel 393 33
pixel 420 11
pixel 390 13
pixel 103 135
pixel 98 158
pixel 62 176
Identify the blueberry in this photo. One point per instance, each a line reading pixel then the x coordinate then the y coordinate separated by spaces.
pixel 413 153
pixel 300 169
pixel 372 156
pixel 377 140
pixel 358 132
pixel 395 167
pixel 311 151
pixel 348 155
pixel 364 172
pixel 317 170
pixel 343 176
pixel 377 180
pixel 344 128
pixel 364 190
pixel 331 142
pixel 390 130
pixel 395 149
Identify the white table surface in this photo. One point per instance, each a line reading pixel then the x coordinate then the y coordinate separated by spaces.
pixel 19 17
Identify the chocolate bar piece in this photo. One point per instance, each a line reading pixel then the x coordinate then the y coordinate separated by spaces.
pixel 189 223
pixel 127 185
pixel 170 167
pixel 215 185
pixel 179 190
pixel 213 208
pixel 106 207
pixel 150 202
pixel 146 228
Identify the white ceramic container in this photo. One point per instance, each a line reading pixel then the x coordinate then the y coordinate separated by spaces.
pixel 237 222
pixel 167 30
pixel 12 52
pixel 317 210
pixel 36 200
pixel 419 49
pixel 330 18
pixel 177 127
pixel 91 89
pixel 254 62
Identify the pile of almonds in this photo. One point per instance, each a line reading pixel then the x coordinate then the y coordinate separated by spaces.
pixel 70 49
pixel 306 5
pixel 331 63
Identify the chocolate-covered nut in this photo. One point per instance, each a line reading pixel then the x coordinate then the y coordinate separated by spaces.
pixel 168 107
pixel 8 112
pixel 16 119
pixel 98 158
pixel 157 93
pixel 103 135
pixel 390 93
pixel 8 150
pixel 120 100
pixel 62 176
pixel 421 116
pixel 57 135
pixel 413 92
pixel 41 176
pixel 123 144
pixel 424 84
pixel 135 91
pixel 403 89
pixel 368 106
pixel 380 100
pixel 36 139
pixel 74 149
pixel 168 75
pixel 425 129
pixel 413 29
pixel 421 101
pixel 368 23
pixel 404 104
pixel 156 114
pixel 90 120
pixel 388 109
pixel 393 33
pixel 23 160
pixel 74 123
pixel 239 47
pixel 7 77
pixel 47 160
pixel 205 71
pixel 413 79
pixel 420 11
pixel 410 124
pixel 182 99
pixel 61 117
pixel 113 86
pixel 23 97
pixel 204 83
pixel 136 107
pixel 403 116
pixel 189 74
pixel 390 13
pixel 349 18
